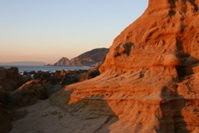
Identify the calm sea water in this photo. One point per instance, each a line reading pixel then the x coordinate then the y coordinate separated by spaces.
pixel 22 69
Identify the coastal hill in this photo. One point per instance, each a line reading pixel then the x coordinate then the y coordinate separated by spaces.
pixel 63 62
pixel 149 79
pixel 89 58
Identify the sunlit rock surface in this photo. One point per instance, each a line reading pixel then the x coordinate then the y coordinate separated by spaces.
pixel 149 79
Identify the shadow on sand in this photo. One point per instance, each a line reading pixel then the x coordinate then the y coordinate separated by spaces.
pixel 92 108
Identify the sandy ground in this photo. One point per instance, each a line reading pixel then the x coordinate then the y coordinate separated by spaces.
pixel 46 118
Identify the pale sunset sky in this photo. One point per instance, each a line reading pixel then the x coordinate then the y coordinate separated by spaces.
pixel 46 30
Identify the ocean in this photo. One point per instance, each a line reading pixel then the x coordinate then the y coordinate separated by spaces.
pixel 22 69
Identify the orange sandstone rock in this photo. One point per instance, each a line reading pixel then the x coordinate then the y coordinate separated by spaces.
pixel 150 77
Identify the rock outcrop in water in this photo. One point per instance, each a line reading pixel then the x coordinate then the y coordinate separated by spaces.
pixel 89 58
pixel 150 76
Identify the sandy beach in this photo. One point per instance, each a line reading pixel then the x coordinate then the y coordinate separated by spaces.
pixel 43 117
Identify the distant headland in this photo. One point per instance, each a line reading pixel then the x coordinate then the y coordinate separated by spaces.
pixel 90 58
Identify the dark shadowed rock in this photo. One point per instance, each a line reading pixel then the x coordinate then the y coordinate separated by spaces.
pixel 90 74
pixel 5 120
pixel 60 77
pixel 55 81
pixel 66 77
pixel 29 73
pixel 42 75
pixel 10 79
pixel 5 116
pixel 28 93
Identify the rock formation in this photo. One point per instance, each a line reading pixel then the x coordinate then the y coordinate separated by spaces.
pixel 94 72
pixel 28 93
pixel 10 80
pixel 18 91
pixel 150 77
pixel 60 77
pixel 47 83
pixel 90 58
pixel 63 62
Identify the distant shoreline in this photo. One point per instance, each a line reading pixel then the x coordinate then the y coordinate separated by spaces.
pixel 24 63
pixel 23 69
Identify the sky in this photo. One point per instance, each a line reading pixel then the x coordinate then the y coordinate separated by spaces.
pixel 46 30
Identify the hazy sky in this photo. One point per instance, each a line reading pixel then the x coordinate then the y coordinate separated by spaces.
pixel 46 30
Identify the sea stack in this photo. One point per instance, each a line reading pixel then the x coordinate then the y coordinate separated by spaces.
pixel 149 79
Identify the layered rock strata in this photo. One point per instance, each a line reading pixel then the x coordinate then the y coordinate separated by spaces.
pixel 150 77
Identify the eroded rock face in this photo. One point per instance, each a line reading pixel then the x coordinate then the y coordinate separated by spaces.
pixel 150 76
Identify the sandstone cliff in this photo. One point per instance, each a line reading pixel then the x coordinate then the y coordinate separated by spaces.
pixel 150 76
pixel 89 58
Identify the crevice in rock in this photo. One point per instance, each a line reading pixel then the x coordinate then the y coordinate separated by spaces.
pixel 173 119
pixel 193 3
pixel 172 12
pixel 181 71
pixel 123 48
pixel 172 2
pixel 185 69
